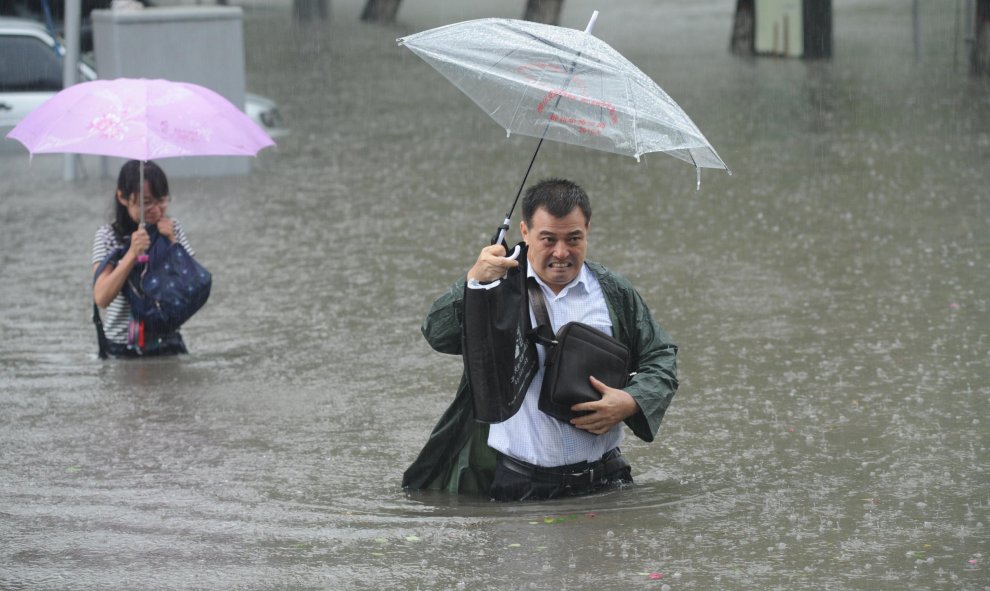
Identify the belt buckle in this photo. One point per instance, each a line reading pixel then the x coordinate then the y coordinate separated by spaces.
pixel 575 477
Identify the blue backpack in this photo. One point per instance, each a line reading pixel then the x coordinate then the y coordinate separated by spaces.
pixel 163 292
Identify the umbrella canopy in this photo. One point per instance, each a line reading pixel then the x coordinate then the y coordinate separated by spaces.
pixel 140 119
pixel 562 84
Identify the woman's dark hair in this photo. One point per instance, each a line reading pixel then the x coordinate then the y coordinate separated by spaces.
pixel 558 196
pixel 128 183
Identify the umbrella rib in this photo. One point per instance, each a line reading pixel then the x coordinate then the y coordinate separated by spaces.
pixel 519 102
pixel 569 69
pixel 539 41
pixel 630 96
pixel 567 83
pixel 515 110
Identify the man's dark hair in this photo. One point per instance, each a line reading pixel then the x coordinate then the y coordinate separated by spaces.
pixel 558 196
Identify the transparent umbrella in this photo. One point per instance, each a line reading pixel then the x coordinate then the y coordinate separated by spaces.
pixel 564 85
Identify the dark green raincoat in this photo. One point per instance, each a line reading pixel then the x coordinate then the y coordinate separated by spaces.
pixel 457 458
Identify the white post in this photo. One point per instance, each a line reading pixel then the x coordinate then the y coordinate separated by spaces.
pixel 70 65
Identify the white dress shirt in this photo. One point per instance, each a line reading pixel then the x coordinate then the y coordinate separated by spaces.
pixel 533 436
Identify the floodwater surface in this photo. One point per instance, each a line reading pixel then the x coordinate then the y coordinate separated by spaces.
pixel 830 300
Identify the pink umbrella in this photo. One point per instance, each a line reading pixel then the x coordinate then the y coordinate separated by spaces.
pixel 140 119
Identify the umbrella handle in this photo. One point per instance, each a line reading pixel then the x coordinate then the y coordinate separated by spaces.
pixel 500 239
pixel 141 258
pixel 502 231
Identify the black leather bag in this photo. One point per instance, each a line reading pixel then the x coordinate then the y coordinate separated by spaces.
pixel 576 352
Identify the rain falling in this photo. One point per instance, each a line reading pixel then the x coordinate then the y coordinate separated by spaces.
pixel 830 299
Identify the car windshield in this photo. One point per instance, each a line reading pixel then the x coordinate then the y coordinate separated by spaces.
pixel 28 65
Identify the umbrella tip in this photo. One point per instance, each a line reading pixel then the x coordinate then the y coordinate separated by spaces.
pixel 591 23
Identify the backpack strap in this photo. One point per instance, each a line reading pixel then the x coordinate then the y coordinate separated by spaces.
pixel 101 336
pixel 113 256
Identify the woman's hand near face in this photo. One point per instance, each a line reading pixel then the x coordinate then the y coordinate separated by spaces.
pixel 167 228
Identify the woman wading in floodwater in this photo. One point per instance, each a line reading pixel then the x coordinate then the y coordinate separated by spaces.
pixel 123 335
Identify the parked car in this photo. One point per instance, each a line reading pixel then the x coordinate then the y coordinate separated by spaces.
pixel 52 12
pixel 31 72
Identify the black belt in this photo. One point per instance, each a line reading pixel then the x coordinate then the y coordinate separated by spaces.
pixel 576 475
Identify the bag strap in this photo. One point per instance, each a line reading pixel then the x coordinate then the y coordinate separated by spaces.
pixel 101 335
pixel 543 332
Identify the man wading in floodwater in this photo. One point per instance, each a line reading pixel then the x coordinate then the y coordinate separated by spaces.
pixel 532 455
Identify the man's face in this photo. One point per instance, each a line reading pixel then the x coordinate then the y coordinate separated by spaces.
pixel 557 246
